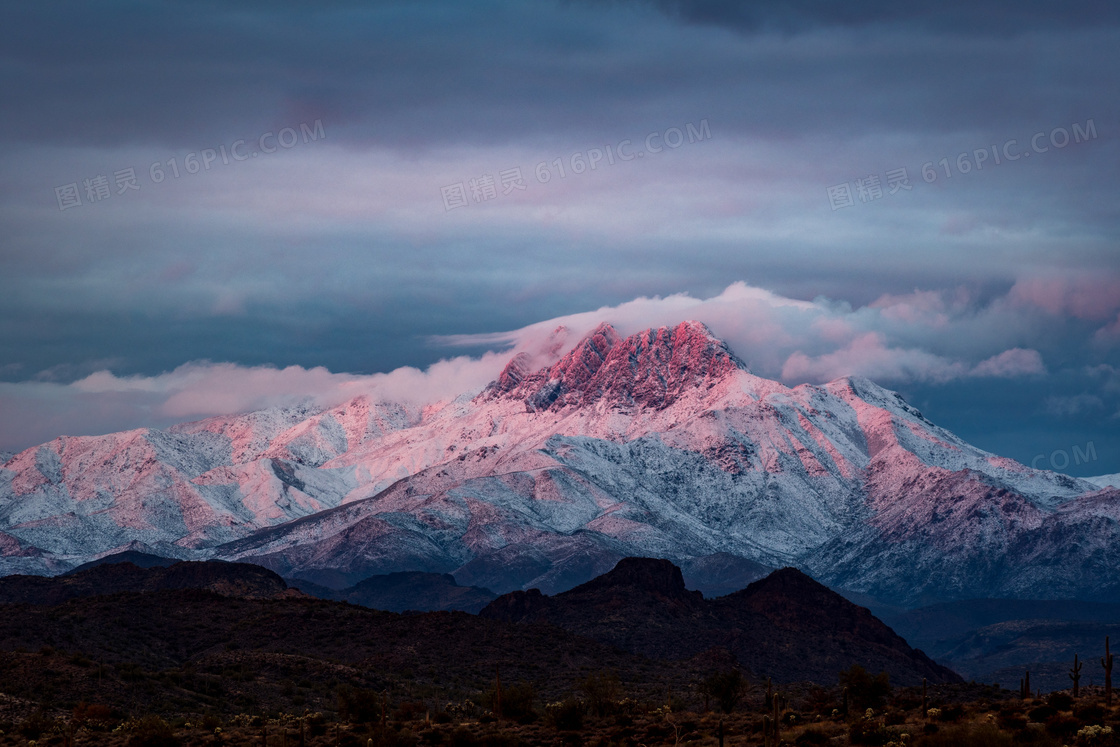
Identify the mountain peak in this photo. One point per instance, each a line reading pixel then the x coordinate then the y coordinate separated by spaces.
pixel 514 372
pixel 786 581
pixel 645 574
pixel 651 368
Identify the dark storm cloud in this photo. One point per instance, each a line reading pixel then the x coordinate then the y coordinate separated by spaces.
pixel 417 74
pixel 955 16
pixel 339 253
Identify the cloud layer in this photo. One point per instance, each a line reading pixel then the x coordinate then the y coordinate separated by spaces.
pixel 919 338
pixel 927 195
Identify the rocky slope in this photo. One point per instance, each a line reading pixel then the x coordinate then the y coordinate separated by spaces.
pixel 661 443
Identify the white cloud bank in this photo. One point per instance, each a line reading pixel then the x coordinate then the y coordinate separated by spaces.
pixel 926 336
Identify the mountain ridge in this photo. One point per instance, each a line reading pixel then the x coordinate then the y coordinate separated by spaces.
pixel 785 625
pixel 657 443
pixel 242 580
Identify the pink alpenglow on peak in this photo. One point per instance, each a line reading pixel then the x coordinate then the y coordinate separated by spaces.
pixel 651 369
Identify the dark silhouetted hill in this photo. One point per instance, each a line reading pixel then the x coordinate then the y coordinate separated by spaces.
pixel 192 651
pixel 136 557
pixel 786 625
pixel 228 579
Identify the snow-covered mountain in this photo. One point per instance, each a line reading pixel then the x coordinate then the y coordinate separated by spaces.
pixel 658 444
pixel 1105 481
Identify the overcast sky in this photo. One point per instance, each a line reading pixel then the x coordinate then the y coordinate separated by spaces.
pixel 208 207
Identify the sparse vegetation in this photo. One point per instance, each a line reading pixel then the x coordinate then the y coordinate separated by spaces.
pixel 958 715
pixel 188 668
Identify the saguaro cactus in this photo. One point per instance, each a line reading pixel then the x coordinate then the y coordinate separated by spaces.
pixel 1106 662
pixel 1075 675
pixel 771 723
pixel 1025 686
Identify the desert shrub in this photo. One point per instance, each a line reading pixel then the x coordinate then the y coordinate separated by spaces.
pixel 499 739
pixel 411 710
pixel 812 736
pixel 246 720
pixel 982 735
pixel 1061 701
pixel 1038 737
pixel 1095 735
pixel 951 714
pixel 725 688
pixel 316 724
pixel 625 735
pixel 820 700
pixel 1090 714
pixel 462 737
pixel 93 716
pixel 868 732
pixel 865 691
pixel 381 736
pixel 601 691
pixel 517 702
pixel 1042 713
pixel 152 731
pixel 359 705
pixel 1012 720
pixel 36 725
pixel 567 714
pixel 1062 727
